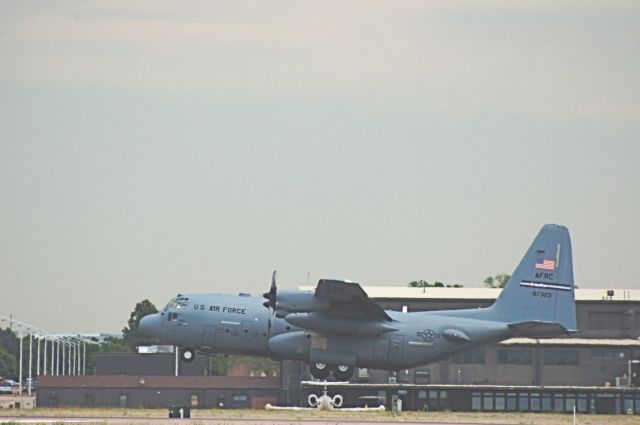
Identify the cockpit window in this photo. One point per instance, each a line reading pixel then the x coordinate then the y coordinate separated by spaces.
pixel 178 302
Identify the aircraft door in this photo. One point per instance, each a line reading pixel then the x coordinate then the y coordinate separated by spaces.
pixel 396 348
pixel 209 336
pixel 380 349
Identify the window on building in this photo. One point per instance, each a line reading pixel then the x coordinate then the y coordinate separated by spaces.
pixel 422 377
pixel 535 402
pixel 487 401
pixel 123 400
pixel 514 356
pixel 582 403
pixel 607 355
pixel 240 400
pixel 558 402
pixel 194 400
pixel 470 357
pixel 546 402
pixel 523 402
pixel 605 320
pixel 89 400
pixel 569 402
pixel 511 402
pixel 476 401
pixel 561 357
pixel 499 405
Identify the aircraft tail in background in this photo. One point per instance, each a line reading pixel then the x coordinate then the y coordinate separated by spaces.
pixel 538 300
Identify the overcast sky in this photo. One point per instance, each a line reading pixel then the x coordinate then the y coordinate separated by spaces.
pixel 153 147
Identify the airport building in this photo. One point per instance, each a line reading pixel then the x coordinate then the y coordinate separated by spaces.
pixel 590 370
pixel 148 380
pixel 601 357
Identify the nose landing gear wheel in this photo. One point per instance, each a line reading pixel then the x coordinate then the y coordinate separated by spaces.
pixel 319 370
pixel 187 355
pixel 342 372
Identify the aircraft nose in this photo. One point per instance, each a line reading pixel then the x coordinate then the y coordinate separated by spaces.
pixel 150 325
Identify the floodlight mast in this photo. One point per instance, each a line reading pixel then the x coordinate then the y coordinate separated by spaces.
pixel 75 354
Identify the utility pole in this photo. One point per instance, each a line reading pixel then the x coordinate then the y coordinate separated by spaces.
pixel 84 357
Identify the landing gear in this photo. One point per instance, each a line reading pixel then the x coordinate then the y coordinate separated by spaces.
pixel 319 370
pixel 187 355
pixel 342 372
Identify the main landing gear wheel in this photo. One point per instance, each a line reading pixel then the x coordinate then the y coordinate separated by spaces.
pixel 342 372
pixel 319 370
pixel 187 355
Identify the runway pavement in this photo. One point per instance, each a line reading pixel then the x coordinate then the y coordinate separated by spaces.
pixel 204 421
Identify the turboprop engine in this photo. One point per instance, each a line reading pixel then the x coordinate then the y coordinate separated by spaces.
pixel 291 301
pixel 334 325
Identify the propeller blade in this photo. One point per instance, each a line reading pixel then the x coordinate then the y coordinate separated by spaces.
pixel 272 294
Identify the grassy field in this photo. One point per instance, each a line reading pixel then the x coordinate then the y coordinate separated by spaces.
pixel 425 417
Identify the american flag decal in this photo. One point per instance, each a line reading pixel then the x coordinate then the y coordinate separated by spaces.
pixel 545 264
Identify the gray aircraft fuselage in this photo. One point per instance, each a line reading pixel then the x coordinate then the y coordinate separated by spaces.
pixel 240 325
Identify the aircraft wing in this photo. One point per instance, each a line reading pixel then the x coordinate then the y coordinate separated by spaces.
pixel 348 299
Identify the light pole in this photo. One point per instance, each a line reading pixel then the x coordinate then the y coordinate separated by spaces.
pixel 53 357
pixel 20 378
pixel 38 357
pixel 30 361
pixel 44 368
pixel 72 352
pixel 63 356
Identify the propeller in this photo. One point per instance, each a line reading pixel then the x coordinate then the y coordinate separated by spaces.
pixel 271 295
pixel 271 299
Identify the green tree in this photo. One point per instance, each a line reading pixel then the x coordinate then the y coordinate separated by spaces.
pixel 497 281
pixel 419 284
pixel 9 341
pixel 220 364
pixel 436 284
pixel 8 364
pixel 131 333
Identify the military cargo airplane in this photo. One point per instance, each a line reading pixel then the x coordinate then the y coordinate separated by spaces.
pixel 338 327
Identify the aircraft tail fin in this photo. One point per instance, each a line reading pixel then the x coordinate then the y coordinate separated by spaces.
pixel 539 297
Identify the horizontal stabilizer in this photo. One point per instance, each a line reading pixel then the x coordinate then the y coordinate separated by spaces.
pixel 534 329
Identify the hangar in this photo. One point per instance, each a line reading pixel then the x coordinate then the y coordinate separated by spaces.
pixel 605 353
